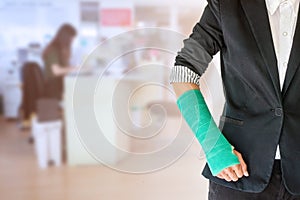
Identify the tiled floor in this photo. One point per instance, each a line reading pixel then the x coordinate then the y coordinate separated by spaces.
pixel 21 179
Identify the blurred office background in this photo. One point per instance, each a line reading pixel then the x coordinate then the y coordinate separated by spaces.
pixel 48 147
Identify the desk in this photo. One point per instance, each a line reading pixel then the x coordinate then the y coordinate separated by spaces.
pixel 93 108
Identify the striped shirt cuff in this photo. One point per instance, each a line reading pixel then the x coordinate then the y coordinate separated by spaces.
pixel 182 74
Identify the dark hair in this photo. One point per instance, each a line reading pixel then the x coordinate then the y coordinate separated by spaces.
pixel 62 43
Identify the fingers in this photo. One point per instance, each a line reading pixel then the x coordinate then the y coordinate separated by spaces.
pixel 231 173
pixel 238 170
pixel 226 177
pixel 235 172
pixel 220 176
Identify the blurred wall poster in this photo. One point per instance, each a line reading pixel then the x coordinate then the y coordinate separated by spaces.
pixel 119 17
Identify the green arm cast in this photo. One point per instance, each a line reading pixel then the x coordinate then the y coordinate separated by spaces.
pixel 218 151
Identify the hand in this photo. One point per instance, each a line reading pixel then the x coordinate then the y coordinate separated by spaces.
pixel 73 69
pixel 235 172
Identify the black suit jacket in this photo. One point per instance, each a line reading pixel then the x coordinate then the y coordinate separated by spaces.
pixel 257 114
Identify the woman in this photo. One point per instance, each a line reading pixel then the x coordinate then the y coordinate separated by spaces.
pixel 56 57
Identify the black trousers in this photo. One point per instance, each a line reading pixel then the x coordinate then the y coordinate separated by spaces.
pixel 274 191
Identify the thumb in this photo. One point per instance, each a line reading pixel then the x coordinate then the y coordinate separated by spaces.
pixel 243 164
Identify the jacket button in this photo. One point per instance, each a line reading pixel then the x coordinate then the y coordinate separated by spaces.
pixel 278 112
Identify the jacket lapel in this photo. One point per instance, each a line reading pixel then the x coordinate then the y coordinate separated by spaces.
pixel 256 13
pixel 294 59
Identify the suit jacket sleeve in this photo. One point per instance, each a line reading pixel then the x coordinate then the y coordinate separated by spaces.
pixel 204 42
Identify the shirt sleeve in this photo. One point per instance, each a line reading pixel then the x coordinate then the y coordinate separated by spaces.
pixel 198 50
pixel 182 74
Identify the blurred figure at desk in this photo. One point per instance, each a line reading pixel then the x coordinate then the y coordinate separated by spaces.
pixel 56 58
